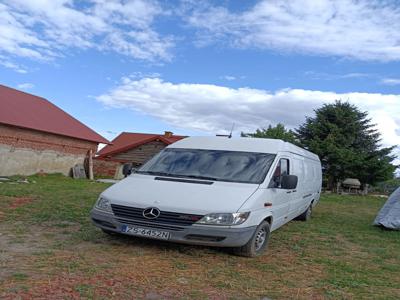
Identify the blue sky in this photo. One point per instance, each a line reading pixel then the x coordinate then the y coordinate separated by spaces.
pixel 150 66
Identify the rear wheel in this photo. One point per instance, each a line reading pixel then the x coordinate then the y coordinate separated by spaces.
pixel 305 216
pixel 258 242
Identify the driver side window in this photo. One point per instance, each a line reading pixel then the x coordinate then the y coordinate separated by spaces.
pixel 281 169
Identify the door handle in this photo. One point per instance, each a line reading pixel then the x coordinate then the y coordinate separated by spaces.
pixel 288 192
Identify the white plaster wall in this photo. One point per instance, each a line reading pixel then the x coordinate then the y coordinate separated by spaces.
pixel 24 161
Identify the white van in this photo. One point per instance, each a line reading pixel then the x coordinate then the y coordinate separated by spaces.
pixel 216 191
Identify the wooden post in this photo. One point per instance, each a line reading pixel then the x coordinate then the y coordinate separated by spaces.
pixel 91 177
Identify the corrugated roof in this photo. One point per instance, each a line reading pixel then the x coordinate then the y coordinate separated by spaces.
pixel 128 140
pixel 28 111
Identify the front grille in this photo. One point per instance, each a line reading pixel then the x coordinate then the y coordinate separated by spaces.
pixel 166 220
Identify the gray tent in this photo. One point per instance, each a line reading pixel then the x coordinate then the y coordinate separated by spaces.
pixel 389 215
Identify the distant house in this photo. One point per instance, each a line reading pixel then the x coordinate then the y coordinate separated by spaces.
pixel 129 147
pixel 37 136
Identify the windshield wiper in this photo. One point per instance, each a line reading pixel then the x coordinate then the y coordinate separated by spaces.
pixel 177 175
pixel 201 177
pixel 156 173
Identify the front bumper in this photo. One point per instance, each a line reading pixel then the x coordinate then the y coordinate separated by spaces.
pixel 194 234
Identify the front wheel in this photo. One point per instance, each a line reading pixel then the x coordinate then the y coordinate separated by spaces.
pixel 258 242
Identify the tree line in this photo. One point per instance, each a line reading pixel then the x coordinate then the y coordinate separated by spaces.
pixel 346 141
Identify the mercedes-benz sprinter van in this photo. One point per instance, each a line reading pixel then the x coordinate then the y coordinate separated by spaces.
pixel 216 191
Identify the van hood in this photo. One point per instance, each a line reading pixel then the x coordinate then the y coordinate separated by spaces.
pixel 144 191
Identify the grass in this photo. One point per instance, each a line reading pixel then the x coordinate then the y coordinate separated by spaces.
pixel 49 248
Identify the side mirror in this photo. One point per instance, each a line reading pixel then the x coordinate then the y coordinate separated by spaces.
pixel 289 182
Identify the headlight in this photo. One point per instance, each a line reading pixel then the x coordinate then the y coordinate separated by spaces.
pixel 104 204
pixel 224 219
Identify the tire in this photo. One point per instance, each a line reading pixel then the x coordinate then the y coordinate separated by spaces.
pixel 305 216
pixel 258 242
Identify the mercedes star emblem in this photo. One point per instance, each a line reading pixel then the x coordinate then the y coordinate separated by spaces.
pixel 151 213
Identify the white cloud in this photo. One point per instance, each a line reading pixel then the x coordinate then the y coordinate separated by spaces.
pixel 212 109
pixel 355 75
pixel 229 77
pixel 391 81
pixel 5 62
pixel 333 76
pixel 46 29
pixel 364 29
pixel 25 86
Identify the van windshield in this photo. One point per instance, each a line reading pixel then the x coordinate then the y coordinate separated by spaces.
pixel 217 165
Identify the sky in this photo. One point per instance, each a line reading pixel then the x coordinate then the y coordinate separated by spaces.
pixel 197 67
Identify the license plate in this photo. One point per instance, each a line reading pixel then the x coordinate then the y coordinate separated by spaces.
pixel 156 234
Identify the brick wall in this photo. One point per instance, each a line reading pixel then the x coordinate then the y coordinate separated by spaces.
pixel 106 168
pixel 26 151
pixel 26 138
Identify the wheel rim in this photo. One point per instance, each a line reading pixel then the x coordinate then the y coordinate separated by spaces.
pixel 260 238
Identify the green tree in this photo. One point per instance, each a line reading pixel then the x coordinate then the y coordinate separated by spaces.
pixel 278 132
pixel 347 143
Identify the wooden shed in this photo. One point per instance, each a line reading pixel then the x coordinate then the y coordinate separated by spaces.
pixel 130 147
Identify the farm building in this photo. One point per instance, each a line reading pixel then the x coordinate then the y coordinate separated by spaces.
pixel 37 136
pixel 133 148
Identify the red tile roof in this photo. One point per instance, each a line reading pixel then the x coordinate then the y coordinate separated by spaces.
pixel 28 111
pixel 129 140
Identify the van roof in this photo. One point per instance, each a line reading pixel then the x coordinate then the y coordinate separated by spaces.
pixel 242 144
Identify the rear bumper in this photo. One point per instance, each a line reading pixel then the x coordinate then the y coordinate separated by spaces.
pixel 194 234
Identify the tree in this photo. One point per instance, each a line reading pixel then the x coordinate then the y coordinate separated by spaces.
pixel 347 143
pixel 277 132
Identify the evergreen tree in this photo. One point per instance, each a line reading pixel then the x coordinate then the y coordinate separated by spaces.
pixel 277 132
pixel 347 143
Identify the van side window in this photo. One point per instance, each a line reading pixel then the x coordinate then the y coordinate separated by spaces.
pixel 281 169
pixel 284 166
